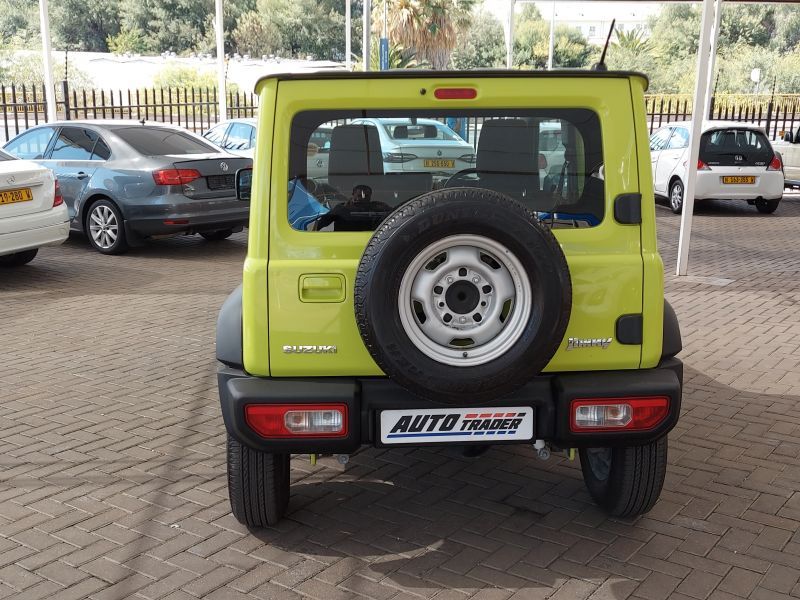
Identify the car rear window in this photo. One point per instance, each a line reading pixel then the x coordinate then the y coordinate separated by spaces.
pixel 735 147
pixel 549 160
pixel 158 141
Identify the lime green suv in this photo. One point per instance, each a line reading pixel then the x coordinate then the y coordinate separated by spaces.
pixel 473 263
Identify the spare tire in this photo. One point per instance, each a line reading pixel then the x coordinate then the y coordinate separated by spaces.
pixel 462 296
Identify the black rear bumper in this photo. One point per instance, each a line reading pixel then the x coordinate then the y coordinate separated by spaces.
pixel 548 395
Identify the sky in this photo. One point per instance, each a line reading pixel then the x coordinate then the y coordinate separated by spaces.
pixel 569 10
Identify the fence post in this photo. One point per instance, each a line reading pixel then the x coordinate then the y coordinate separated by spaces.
pixel 65 92
pixel 770 106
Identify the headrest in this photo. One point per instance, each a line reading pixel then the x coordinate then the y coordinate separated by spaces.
pixel 400 132
pixel 431 132
pixel 507 146
pixel 355 150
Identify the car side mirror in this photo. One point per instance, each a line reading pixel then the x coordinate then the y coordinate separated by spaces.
pixel 244 183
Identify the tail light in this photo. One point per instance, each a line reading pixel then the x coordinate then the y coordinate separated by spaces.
pixel 615 414
pixel 398 157
pixel 701 166
pixel 297 420
pixel 58 199
pixel 175 176
pixel 775 164
pixel 542 162
pixel 468 158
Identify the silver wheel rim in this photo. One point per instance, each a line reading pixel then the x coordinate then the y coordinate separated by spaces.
pixel 676 196
pixel 441 285
pixel 599 462
pixel 103 226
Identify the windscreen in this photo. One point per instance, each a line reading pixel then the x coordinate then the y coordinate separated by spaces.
pixel 735 147
pixel 158 141
pixel 549 160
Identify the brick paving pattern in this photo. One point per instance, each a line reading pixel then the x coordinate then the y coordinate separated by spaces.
pixel 112 474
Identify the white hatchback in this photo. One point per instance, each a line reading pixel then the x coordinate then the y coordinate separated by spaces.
pixel 32 211
pixel 737 162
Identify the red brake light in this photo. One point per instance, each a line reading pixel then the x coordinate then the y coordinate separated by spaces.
pixel 175 176
pixel 615 414
pixel 58 199
pixel 297 420
pixel 542 162
pixel 455 93
pixel 701 166
pixel 775 164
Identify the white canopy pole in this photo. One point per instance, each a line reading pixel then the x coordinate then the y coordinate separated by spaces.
pixel 348 37
pixel 49 90
pixel 700 85
pixel 552 48
pixel 713 61
pixel 510 36
pixel 365 44
pixel 220 31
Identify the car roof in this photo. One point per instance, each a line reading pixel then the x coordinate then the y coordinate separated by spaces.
pixel 715 125
pixel 248 120
pixel 321 74
pixel 108 124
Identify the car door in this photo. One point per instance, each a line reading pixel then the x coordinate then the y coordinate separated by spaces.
pixel 670 157
pixel 72 159
pixel 658 141
pixel 216 135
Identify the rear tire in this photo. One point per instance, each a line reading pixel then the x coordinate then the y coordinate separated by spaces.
pixel 258 485
pixel 625 481
pixel 767 207
pixel 217 236
pixel 105 228
pixel 18 258
pixel 676 193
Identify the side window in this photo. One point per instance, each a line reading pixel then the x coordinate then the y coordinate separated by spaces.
pixel 252 137
pixel 74 143
pixel 31 145
pixel 679 139
pixel 101 150
pixel 658 141
pixel 238 137
pixel 216 134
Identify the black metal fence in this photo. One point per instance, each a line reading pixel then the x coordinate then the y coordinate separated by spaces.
pixel 196 109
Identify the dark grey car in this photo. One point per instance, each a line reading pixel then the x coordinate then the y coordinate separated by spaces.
pixel 124 181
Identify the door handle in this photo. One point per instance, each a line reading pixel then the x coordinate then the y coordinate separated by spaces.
pixel 325 287
pixel 82 175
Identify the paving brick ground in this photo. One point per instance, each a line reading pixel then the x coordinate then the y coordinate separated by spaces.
pixel 112 478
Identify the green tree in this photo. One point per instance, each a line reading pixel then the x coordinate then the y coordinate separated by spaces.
pixel 483 45
pixel 532 43
pixel 19 23
pixel 635 40
pixel 76 26
pixel 257 36
pixel 127 40
pixel 180 76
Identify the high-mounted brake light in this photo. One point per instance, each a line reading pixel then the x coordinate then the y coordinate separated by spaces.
pixel 614 414
pixel 175 176
pixel 775 164
pixel 297 420
pixel 58 198
pixel 455 93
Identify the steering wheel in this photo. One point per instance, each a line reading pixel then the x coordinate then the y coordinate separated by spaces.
pixel 457 177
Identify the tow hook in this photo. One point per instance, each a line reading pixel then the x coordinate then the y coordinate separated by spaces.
pixel 543 452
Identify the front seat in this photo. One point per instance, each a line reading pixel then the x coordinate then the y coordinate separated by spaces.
pixel 506 158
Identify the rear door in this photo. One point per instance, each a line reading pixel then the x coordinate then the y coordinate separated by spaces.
pixel 658 142
pixel 72 159
pixel 670 157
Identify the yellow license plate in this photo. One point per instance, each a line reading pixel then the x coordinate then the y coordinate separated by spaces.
pixel 12 196
pixel 739 179
pixel 439 163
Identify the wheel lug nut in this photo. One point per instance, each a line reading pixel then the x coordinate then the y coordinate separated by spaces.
pixel 476 279
pixel 449 280
pixel 463 319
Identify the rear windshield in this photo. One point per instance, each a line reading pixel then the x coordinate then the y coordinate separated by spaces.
pixel 735 147
pixel 158 141
pixel 550 160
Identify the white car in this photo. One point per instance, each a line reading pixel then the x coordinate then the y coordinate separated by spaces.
pixel 32 211
pixel 736 162
pixel 424 145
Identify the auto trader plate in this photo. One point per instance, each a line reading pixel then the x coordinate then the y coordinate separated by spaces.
pixel 12 196
pixel 495 424
pixel 439 163
pixel 739 179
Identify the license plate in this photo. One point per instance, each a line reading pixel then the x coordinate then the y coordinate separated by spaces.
pixel 456 425
pixel 12 196
pixel 739 179
pixel 439 163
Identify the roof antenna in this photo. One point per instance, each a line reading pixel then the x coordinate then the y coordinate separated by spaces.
pixel 601 65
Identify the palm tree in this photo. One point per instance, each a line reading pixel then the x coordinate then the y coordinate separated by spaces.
pixel 428 28
pixel 635 40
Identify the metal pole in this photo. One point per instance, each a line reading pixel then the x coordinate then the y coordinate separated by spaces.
pixel 365 44
pixel 713 59
pixel 700 89
pixel 49 90
pixel 510 36
pixel 348 37
pixel 552 38
pixel 221 96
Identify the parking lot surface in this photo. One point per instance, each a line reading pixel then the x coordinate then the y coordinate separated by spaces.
pixel 112 465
